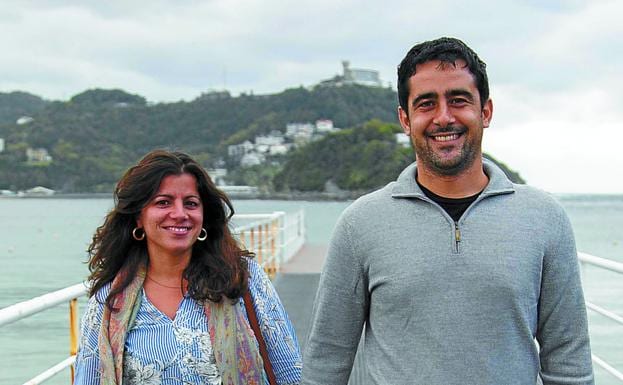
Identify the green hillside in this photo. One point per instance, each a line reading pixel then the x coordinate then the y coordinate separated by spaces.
pixel 361 158
pixel 92 138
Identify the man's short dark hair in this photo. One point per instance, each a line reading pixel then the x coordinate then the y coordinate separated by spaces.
pixel 447 50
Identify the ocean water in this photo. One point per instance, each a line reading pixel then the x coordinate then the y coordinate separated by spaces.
pixel 43 248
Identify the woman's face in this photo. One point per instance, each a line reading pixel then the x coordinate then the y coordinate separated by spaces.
pixel 173 218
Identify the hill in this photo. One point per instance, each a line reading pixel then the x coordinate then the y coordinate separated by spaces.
pixel 85 144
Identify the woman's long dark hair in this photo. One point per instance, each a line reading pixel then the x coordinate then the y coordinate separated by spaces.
pixel 216 268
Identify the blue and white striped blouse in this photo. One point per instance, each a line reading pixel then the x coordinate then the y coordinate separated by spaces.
pixel 161 351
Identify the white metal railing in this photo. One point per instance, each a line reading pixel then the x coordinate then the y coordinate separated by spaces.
pixel 274 238
pixel 616 267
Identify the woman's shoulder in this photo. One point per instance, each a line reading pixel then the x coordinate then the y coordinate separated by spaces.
pixel 257 275
pixel 101 294
pixel 252 265
pixel 92 317
pixel 97 301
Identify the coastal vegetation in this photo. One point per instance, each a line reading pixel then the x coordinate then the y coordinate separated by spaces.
pixel 84 144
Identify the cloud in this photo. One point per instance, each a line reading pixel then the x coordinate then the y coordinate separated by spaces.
pixel 565 142
pixel 553 65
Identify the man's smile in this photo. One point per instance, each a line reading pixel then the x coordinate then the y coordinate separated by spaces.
pixel 445 137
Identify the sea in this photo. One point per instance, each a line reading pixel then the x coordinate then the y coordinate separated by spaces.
pixel 43 244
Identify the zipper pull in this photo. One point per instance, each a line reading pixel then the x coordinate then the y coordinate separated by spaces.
pixel 457 235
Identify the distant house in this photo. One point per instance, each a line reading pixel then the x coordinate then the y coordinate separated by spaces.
pixel 403 140
pixel 277 143
pixel 1 144
pixel 38 155
pixel 274 138
pixel 262 148
pixel 24 120
pixel 365 77
pixel 325 125
pixel 297 129
pixel 252 159
pixel 218 175
pixel 279 149
pixel 239 150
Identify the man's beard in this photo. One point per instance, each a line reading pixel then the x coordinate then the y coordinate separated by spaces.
pixel 449 167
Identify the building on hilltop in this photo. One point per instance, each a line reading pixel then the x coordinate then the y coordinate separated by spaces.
pixel 364 77
pixel 1 144
pixel 212 95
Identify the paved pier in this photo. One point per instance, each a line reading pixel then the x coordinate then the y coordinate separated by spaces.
pixel 297 284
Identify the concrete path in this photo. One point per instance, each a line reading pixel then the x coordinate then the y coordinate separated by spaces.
pixel 297 284
pixel 308 260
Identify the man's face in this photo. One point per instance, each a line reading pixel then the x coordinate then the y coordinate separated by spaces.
pixel 445 119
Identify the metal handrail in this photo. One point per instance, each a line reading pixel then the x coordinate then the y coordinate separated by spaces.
pixel 38 304
pixel 270 228
pixel 616 267
pixel 604 263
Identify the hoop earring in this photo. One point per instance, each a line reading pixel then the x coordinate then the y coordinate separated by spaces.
pixel 204 236
pixel 137 237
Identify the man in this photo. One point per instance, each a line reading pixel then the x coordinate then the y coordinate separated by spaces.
pixel 453 272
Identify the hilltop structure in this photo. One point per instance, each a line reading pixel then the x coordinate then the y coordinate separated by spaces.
pixel 364 77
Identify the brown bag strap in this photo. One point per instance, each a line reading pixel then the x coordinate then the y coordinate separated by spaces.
pixel 268 367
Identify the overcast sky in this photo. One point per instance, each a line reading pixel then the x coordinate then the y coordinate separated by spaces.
pixel 554 66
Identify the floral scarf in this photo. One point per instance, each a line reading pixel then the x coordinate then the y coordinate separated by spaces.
pixel 233 341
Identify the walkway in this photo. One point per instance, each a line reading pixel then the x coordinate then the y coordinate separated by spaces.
pixel 297 285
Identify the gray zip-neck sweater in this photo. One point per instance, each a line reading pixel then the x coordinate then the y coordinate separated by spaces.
pixel 445 303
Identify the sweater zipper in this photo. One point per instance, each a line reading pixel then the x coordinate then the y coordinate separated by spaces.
pixel 457 236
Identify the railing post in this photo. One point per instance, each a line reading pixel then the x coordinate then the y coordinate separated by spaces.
pixel 252 244
pixel 73 331
pixel 273 250
pixel 264 246
pixel 259 244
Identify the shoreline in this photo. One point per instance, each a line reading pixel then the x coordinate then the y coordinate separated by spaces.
pixel 296 196
pixel 314 196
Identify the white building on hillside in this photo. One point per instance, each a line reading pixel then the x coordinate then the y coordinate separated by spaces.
pixel 218 175
pixel 403 140
pixel 252 159
pixel 24 120
pixel 279 149
pixel 275 137
pixel 325 125
pixel 38 155
pixel 294 129
pixel 239 150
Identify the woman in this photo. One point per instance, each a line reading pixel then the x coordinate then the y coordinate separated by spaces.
pixel 168 278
